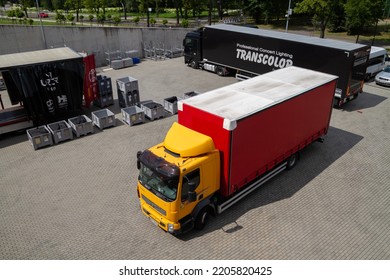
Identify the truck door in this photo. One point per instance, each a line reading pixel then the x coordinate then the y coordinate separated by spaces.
pixel 192 49
pixel 190 183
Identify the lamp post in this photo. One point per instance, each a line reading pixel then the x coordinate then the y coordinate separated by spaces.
pixel 148 10
pixel 40 19
pixel 288 14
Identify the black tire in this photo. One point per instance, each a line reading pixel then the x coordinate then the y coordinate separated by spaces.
pixel 193 64
pixel 292 161
pixel 337 103
pixel 202 218
pixel 219 71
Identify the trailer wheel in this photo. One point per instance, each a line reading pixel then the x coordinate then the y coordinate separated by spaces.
pixel 292 161
pixel 202 218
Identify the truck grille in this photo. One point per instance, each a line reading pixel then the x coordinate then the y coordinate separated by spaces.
pixel 159 209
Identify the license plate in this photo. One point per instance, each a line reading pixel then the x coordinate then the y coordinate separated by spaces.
pixel 153 221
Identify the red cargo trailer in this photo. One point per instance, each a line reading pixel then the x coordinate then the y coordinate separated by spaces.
pixel 258 123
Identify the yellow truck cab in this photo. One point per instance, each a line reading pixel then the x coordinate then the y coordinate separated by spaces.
pixel 176 176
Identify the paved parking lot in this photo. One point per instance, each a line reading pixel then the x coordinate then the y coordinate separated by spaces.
pixel 77 199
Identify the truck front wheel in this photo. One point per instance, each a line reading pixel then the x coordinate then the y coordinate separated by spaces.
pixel 202 218
pixel 193 63
pixel 220 71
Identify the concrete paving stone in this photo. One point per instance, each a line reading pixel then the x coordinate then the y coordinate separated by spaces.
pixel 77 199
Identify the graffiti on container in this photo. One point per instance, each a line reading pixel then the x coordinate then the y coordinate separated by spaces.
pixel 62 101
pixel 49 82
pixel 50 105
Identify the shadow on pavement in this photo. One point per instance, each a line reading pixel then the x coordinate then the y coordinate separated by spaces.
pixel 364 101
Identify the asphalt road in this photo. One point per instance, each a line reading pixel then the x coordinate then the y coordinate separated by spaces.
pixel 77 199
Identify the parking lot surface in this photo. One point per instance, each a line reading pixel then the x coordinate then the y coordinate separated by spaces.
pixel 78 200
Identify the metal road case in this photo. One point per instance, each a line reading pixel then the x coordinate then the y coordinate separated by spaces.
pixel 170 104
pixel 61 131
pixel 190 94
pixel 152 109
pixel 39 137
pixel 81 125
pixel 133 115
pixel 103 118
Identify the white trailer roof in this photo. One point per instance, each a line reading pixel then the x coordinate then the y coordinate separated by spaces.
pixel 36 57
pixel 242 99
pixel 337 44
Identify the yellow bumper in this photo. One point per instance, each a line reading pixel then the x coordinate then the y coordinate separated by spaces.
pixel 157 219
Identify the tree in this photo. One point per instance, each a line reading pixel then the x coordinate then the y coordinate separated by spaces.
pixel 60 17
pixel 255 8
pixel 90 17
pixel 76 5
pixel 70 17
pixel 58 4
pixel 93 6
pixel 153 21
pixel 136 20
pixel 320 10
pixel 123 4
pixel 337 19
pixel 116 20
pixel 361 14
pixel 47 4
pixel 15 13
pixel 101 18
pixel 26 4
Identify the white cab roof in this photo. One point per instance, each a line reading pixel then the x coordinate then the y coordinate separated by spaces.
pixel 244 98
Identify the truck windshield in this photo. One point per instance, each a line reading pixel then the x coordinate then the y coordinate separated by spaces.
pixel 159 176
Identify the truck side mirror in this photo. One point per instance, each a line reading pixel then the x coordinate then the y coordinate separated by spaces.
pixel 191 186
pixel 192 196
pixel 139 153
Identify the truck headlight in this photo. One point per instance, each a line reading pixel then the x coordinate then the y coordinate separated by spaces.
pixel 170 228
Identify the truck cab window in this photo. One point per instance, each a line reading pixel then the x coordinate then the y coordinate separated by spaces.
pixel 190 45
pixel 194 177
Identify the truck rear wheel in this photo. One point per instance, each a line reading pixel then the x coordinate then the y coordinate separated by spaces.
pixel 292 161
pixel 202 218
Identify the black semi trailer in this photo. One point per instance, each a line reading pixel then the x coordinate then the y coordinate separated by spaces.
pixel 229 49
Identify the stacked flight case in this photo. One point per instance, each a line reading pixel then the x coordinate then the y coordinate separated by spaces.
pixel 105 96
pixel 128 92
